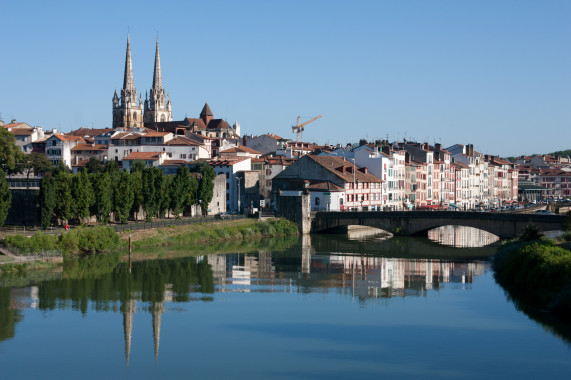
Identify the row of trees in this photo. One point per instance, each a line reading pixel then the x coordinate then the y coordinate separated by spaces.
pixel 103 191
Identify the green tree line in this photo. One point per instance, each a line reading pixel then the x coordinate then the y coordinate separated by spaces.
pixel 103 191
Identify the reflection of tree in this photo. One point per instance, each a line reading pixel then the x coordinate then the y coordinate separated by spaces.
pixel 8 316
pixel 558 326
pixel 104 281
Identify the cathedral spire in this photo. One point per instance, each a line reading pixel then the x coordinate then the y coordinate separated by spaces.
pixel 157 80
pixel 128 82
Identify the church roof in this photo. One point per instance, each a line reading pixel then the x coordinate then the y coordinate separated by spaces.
pixel 218 124
pixel 206 111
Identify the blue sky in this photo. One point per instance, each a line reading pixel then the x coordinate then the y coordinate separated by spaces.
pixel 493 73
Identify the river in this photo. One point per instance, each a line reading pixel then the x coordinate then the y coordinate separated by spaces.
pixel 326 306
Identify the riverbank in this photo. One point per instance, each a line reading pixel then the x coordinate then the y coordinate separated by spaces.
pixel 536 274
pixel 31 252
pixel 210 233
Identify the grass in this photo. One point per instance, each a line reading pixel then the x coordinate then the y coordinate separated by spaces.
pixel 212 233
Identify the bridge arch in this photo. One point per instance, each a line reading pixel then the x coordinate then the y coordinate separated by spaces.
pixel 503 225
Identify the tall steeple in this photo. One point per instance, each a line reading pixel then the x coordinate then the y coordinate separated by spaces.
pixel 157 80
pixel 128 112
pixel 157 106
pixel 128 82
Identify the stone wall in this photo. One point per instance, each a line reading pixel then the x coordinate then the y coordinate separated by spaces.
pixel 295 208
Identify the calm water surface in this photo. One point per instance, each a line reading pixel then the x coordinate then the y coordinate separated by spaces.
pixel 320 307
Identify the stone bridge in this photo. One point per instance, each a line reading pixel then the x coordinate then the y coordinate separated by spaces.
pixel 503 225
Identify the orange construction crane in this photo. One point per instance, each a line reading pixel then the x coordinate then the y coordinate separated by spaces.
pixel 298 128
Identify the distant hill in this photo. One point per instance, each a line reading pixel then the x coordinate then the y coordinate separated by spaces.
pixel 564 153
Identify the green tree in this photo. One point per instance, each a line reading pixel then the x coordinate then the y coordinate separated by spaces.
pixel 47 200
pixel 64 201
pixel 137 183
pixel 152 186
pixel 137 166
pixel 123 197
pixel 5 198
pixel 165 198
pixel 82 195
pixel 206 187
pixel 36 163
pixel 94 166
pixel 179 189
pixel 10 154
pixel 103 191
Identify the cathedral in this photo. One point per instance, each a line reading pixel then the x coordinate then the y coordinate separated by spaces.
pixel 130 112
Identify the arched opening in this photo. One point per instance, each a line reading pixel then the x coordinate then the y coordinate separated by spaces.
pixel 461 236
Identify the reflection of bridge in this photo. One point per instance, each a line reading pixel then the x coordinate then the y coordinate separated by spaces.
pixel 504 225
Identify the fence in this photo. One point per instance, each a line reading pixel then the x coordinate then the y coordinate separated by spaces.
pixel 132 226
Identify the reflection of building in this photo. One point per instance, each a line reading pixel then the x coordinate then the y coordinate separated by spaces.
pixel 461 236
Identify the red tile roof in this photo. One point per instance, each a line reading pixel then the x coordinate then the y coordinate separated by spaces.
pixel 143 156
pixel 89 147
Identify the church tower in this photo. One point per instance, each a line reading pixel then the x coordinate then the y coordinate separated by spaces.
pixel 158 107
pixel 127 110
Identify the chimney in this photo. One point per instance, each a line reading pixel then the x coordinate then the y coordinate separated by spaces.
pixel 438 146
pixel 425 146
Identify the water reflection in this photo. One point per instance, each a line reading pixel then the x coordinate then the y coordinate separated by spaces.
pixel 106 284
pixel 461 236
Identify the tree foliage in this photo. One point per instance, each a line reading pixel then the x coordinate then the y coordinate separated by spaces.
pixel 64 201
pixel 10 154
pixel 123 197
pixel 47 200
pixel 65 196
pixel 5 198
pixel 206 187
pixel 83 196
pixel 103 196
pixel 94 166
pixel 37 163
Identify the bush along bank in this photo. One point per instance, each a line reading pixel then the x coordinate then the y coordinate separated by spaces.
pixel 536 273
pixel 211 233
pixel 88 240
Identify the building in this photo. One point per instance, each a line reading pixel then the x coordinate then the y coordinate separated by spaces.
pixel 229 168
pixel 363 191
pixel 24 135
pixel 58 148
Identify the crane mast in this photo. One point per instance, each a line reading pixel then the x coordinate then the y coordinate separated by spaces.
pixel 298 128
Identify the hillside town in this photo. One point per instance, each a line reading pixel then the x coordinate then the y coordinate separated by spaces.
pixel 253 170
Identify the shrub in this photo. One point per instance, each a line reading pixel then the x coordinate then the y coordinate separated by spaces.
pixel 531 233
